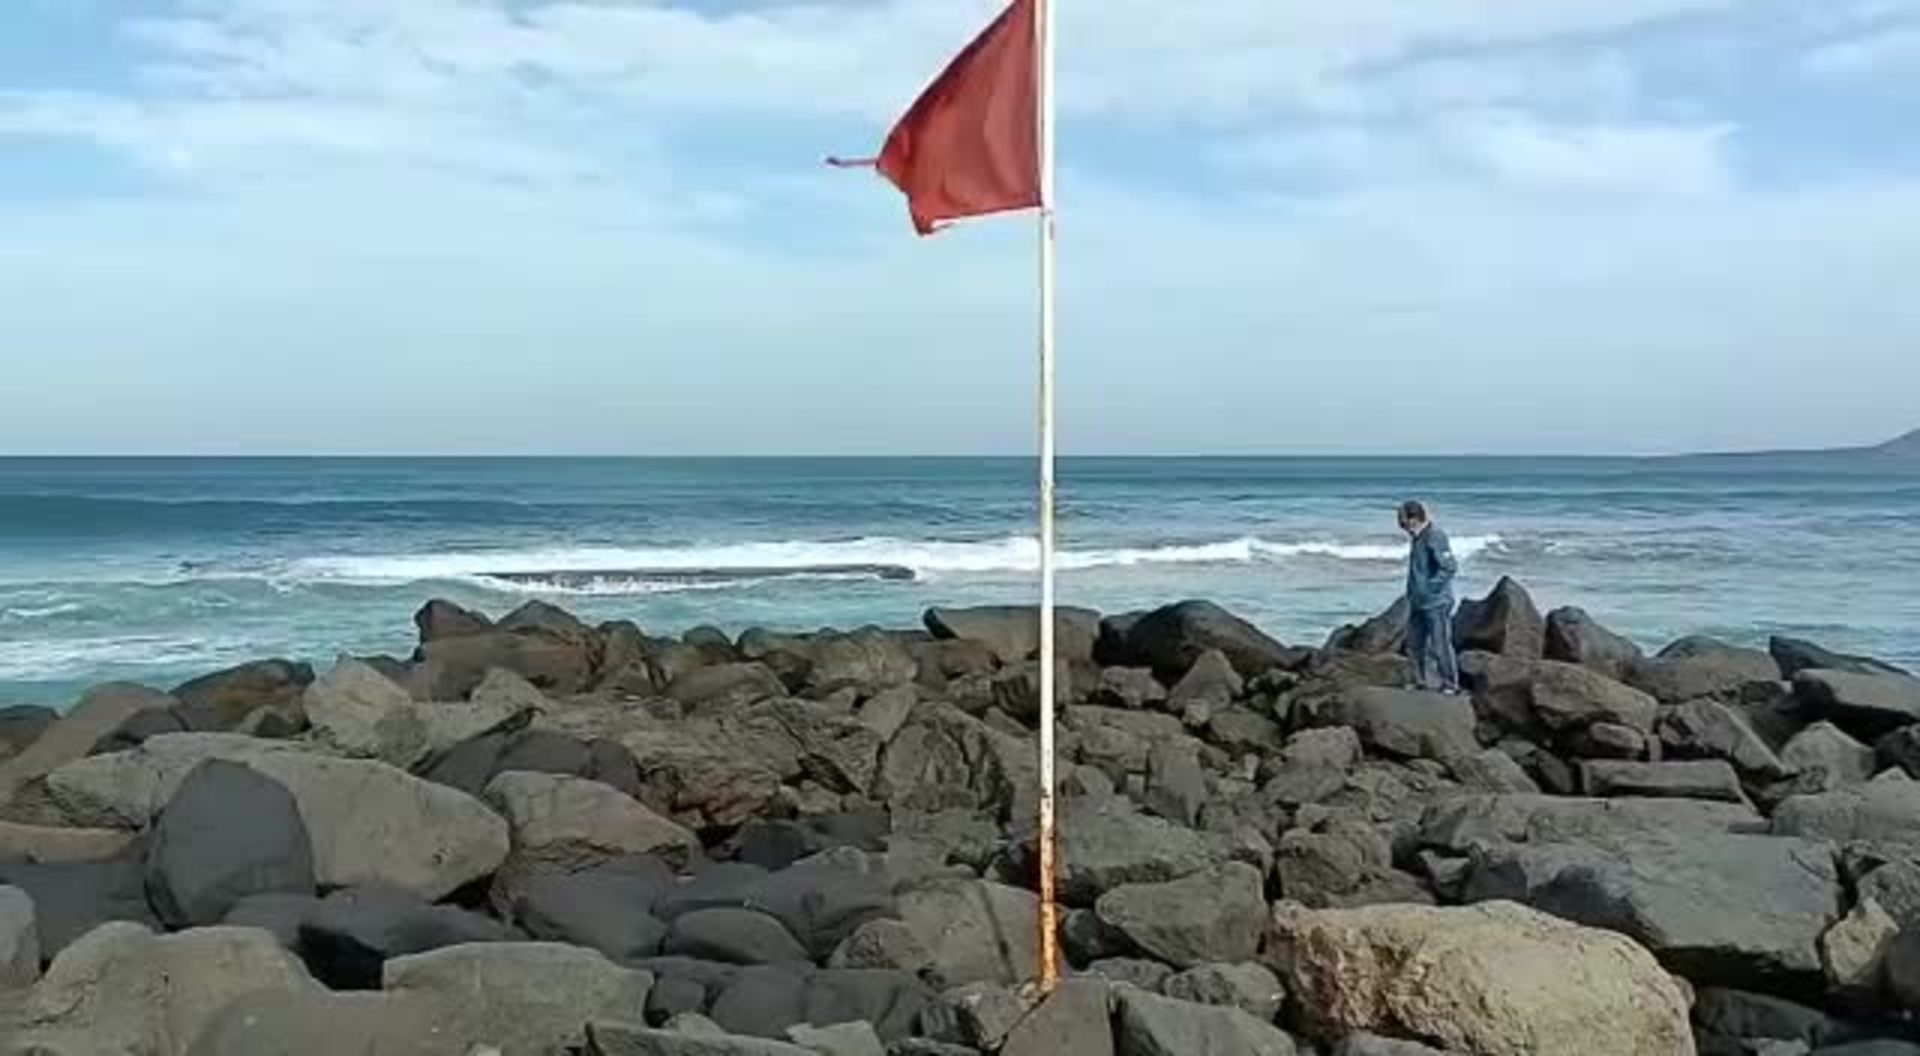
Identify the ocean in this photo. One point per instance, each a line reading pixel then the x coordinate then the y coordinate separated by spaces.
pixel 155 570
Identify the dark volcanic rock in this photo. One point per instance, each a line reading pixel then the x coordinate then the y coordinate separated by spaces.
pixel 1505 623
pixel 228 832
pixel 1216 915
pixel 1105 843
pixel 349 935
pixel 1574 637
pixel 1170 639
pixel 224 698
pixel 1385 633
pixel 725 687
pixel 1692 668
pixel 21 725
pixel 1149 1025
pixel 1012 632
pixel 439 619
pixel 1899 750
pixel 471 765
pixel 72 898
pixel 1698 779
pixel 1738 1017
pixel 452 667
pixel 1727 909
pixel 733 936
pixel 1459 823
pixel 1405 723
pixel 607 909
pixel 1870 705
pixel 1795 655
pixel 1706 729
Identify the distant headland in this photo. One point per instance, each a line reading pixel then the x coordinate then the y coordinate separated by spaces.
pixel 1903 450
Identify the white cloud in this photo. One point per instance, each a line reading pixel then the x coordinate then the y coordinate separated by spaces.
pixel 1520 152
pixel 1892 54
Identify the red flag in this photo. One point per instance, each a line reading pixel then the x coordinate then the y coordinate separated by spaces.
pixel 970 145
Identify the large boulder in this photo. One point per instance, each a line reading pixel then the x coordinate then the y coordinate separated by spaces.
pixel 1151 1025
pixel 1104 843
pixel 319 1022
pixel 1727 909
pixel 1824 759
pixel 1216 915
pixel 1883 816
pixel 1458 823
pixel 1170 639
pixel 720 688
pixel 1870 704
pixel 944 759
pixel 1345 863
pixel 1574 637
pixel 609 909
pixel 556 662
pixel 975 931
pixel 229 832
pixel 1495 979
pixel 1409 724
pixel 348 936
pixel 567 823
pixel 96 715
pixel 123 989
pixel 1697 667
pixel 1012 632
pixel 732 936
pixel 867 660
pixel 1692 779
pixel 231 695
pixel 21 725
pixel 1379 635
pixel 1505 623
pixel 71 899
pixel 1795 655
pixel 440 618
pixel 471 765
pixel 1707 729
pixel 369 822
pixel 521 997
pixel 1250 987
pixel 51 843
pixel 361 713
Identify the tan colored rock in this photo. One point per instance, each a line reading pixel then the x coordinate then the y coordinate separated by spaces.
pixel 363 714
pixel 122 989
pixel 100 712
pixel 1494 979
pixel 571 821
pixel 47 843
pixel 1853 951
pixel 370 823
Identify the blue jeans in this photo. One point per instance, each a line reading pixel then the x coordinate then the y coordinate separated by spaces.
pixel 1430 645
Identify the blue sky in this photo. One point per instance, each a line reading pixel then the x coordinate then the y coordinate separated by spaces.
pixel 1293 226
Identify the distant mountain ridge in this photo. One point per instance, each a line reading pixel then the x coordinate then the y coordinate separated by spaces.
pixel 1902 450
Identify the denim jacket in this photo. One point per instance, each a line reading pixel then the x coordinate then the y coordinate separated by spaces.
pixel 1430 569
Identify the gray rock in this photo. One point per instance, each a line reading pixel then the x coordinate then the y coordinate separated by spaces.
pixel 1403 723
pixel 19 940
pixel 363 714
pixel 71 899
pixel 1148 1025
pixel 1506 623
pixel 1458 823
pixel 93 717
pixel 1693 668
pixel 1896 887
pixel 944 759
pixel 1574 637
pixel 322 1023
pixel 1795 655
pixel 22 724
pixel 725 687
pixel 229 832
pixel 1072 1021
pixel 1825 759
pixel 1374 1045
pixel 733 936
pixel 1870 704
pixel 568 823
pixel 1331 867
pixel 1105 843
pixel 347 937
pixel 1899 750
pixel 609 909
pixel 123 989
pixel 1720 909
pixel 1736 1015
pixel 1176 783
pixel 868 660
pixel 1134 971
pixel 237 692
pixel 978 1015
pixel 1882 815
pixel 521 997
pixel 369 823
pixel 1013 631
pixel 1128 687
pixel 888 944
pixel 1491 770
pixel 1902 960
pixel 1608 740
pixel 1706 729
pixel 1249 987
pixel 1696 779
pixel 1170 639
pixel 439 618
pixel 976 931
pixel 1379 635
pixel 1211 680
pixel 1213 915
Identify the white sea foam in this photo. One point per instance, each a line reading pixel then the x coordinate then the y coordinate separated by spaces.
pixel 58 658
pixel 657 569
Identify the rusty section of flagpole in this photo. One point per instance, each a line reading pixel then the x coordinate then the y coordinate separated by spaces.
pixel 1049 909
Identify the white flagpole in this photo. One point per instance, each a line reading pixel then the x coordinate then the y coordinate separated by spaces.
pixel 1049 914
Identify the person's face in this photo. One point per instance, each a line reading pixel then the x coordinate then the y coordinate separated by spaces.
pixel 1407 524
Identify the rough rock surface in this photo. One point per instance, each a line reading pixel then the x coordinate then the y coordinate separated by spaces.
pixel 1495 979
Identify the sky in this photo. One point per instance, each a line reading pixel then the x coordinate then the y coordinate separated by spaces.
pixel 1287 226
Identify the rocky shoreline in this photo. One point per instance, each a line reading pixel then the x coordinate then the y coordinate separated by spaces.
pixel 537 836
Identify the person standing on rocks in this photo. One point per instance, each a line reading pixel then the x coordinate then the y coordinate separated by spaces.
pixel 1430 570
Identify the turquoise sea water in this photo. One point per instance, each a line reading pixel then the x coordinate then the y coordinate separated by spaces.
pixel 158 569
